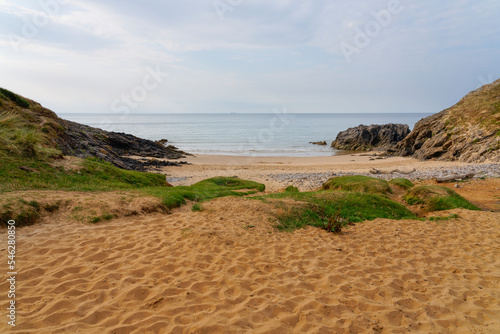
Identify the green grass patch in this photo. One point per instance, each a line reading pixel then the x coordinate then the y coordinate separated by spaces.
pixel 437 198
pixel 205 190
pixel 318 208
pixel 93 176
pixel 292 189
pixel 358 183
pixel 402 183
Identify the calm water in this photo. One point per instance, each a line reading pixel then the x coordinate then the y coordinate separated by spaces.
pixel 277 134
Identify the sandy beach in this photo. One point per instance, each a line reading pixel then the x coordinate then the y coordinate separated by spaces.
pixel 227 270
pixel 250 167
pixel 310 172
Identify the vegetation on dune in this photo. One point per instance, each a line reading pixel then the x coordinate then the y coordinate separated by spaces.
pixel 318 208
pixel 95 220
pixel 26 164
pixel 24 212
pixel 437 198
pixel 292 189
pixel 28 174
pixel 358 183
pixel 438 219
pixel 206 190
pixel 402 183
pixel 95 175
pixel 356 199
pixel 197 207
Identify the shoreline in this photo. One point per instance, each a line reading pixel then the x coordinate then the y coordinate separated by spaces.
pixel 206 159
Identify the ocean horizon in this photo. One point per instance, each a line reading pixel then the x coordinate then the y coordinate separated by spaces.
pixel 242 134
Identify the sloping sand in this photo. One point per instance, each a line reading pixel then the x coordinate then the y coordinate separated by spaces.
pixel 204 272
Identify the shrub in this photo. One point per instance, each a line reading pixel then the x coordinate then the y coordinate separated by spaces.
pixel 335 223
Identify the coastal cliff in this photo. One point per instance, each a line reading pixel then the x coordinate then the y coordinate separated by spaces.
pixel 469 131
pixel 85 141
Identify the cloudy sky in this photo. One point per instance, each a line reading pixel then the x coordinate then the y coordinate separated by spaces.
pixel 248 55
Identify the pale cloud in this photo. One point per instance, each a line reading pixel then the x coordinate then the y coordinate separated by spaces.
pixel 263 54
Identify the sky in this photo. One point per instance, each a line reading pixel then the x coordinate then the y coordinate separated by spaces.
pixel 219 56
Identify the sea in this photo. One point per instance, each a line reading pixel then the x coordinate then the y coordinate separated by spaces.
pixel 273 134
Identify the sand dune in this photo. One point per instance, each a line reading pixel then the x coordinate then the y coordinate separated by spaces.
pixel 212 272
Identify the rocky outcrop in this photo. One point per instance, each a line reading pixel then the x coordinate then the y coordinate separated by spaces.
pixel 469 131
pixel 366 138
pixel 84 141
pixel 321 143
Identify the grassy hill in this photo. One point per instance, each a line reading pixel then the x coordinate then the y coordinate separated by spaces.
pixel 83 141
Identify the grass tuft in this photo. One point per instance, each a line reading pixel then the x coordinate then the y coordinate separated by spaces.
pixel 450 216
pixel 402 183
pixel 292 189
pixel 358 183
pixel 104 217
pixel 437 198
pixel 197 207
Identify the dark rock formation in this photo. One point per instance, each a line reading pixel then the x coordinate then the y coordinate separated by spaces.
pixel 366 138
pixel 469 131
pixel 84 141
pixel 322 143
